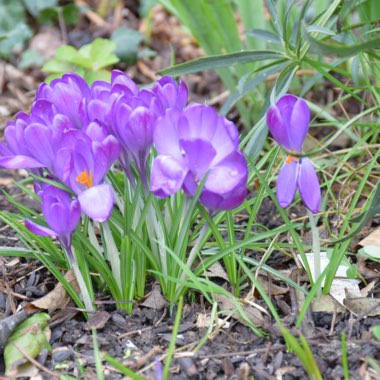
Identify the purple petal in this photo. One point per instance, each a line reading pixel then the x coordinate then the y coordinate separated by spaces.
pixel 199 154
pixel 20 162
pixel 38 229
pixel 309 187
pixel 167 176
pixel 201 122
pixel 299 124
pixel 277 127
pixel 287 183
pixel 165 136
pixel 97 202
pixel 224 177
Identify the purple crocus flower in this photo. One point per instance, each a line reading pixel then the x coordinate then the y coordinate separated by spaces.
pixel 104 94
pixel 61 212
pixel 31 139
pixel 82 164
pixel 288 121
pixel 68 95
pixel 169 95
pixel 194 143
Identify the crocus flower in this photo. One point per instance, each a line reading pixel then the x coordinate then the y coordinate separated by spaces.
pixel 104 94
pixel 82 164
pixel 194 143
pixel 31 139
pixel 169 95
pixel 67 94
pixel 288 121
pixel 133 124
pixel 61 212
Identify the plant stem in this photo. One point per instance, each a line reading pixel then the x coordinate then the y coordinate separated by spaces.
pixel 78 274
pixel 316 246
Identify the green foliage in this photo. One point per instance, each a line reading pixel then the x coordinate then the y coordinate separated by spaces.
pixel 127 44
pixel 30 336
pixel 90 61
pixel 13 28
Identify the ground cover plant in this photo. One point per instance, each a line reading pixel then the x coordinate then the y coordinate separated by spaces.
pixel 189 230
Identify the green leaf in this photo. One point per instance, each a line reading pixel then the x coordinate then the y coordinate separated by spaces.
pixel 127 43
pixel 225 60
pixel 34 7
pixel 67 53
pixel 31 58
pixel 31 336
pixel 102 53
pixel 12 27
pixel 341 50
pixel 265 35
pixel 376 332
pixel 371 252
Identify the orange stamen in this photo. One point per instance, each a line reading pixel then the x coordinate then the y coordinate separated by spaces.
pixel 85 178
pixel 290 159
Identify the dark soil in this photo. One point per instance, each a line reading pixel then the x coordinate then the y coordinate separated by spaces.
pixel 140 340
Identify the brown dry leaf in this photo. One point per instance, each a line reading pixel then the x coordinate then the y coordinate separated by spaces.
pixel 228 305
pixel 372 239
pixel 358 305
pixel 327 304
pixel 58 297
pixel 98 321
pixel 204 321
pixel 216 270
pixel 46 42
pixel 271 288
pixel 155 300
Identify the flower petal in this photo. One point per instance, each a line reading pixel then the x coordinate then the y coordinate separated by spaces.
pixel 299 124
pixel 97 202
pixel 167 176
pixel 309 187
pixel 277 127
pixel 199 154
pixel 287 183
pixel 38 229
pixel 19 162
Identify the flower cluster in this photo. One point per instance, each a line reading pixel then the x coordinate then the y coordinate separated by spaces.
pixel 288 121
pixel 74 133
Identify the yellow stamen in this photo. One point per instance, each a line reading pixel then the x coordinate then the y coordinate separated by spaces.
pixel 290 159
pixel 85 178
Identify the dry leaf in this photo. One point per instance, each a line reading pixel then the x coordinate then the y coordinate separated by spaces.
pixel 155 300
pixel 216 270
pixel 204 321
pixel 372 239
pixel 327 304
pixel 228 305
pixel 98 321
pixel 369 306
pixel 58 297
pixel 273 289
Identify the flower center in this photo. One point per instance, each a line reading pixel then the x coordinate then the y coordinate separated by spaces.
pixel 85 178
pixel 290 159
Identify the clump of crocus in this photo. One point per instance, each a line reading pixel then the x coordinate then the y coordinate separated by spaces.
pixel 193 143
pixel 288 121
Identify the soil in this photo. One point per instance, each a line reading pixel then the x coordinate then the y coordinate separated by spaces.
pixel 140 340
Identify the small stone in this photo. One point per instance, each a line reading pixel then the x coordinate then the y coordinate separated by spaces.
pixel 60 354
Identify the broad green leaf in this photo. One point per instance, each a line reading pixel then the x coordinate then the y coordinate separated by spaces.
pixel 102 53
pixel 127 43
pixel 31 336
pixel 57 66
pixel 67 53
pixel 225 60
pixel 371 252
pixel 31 58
